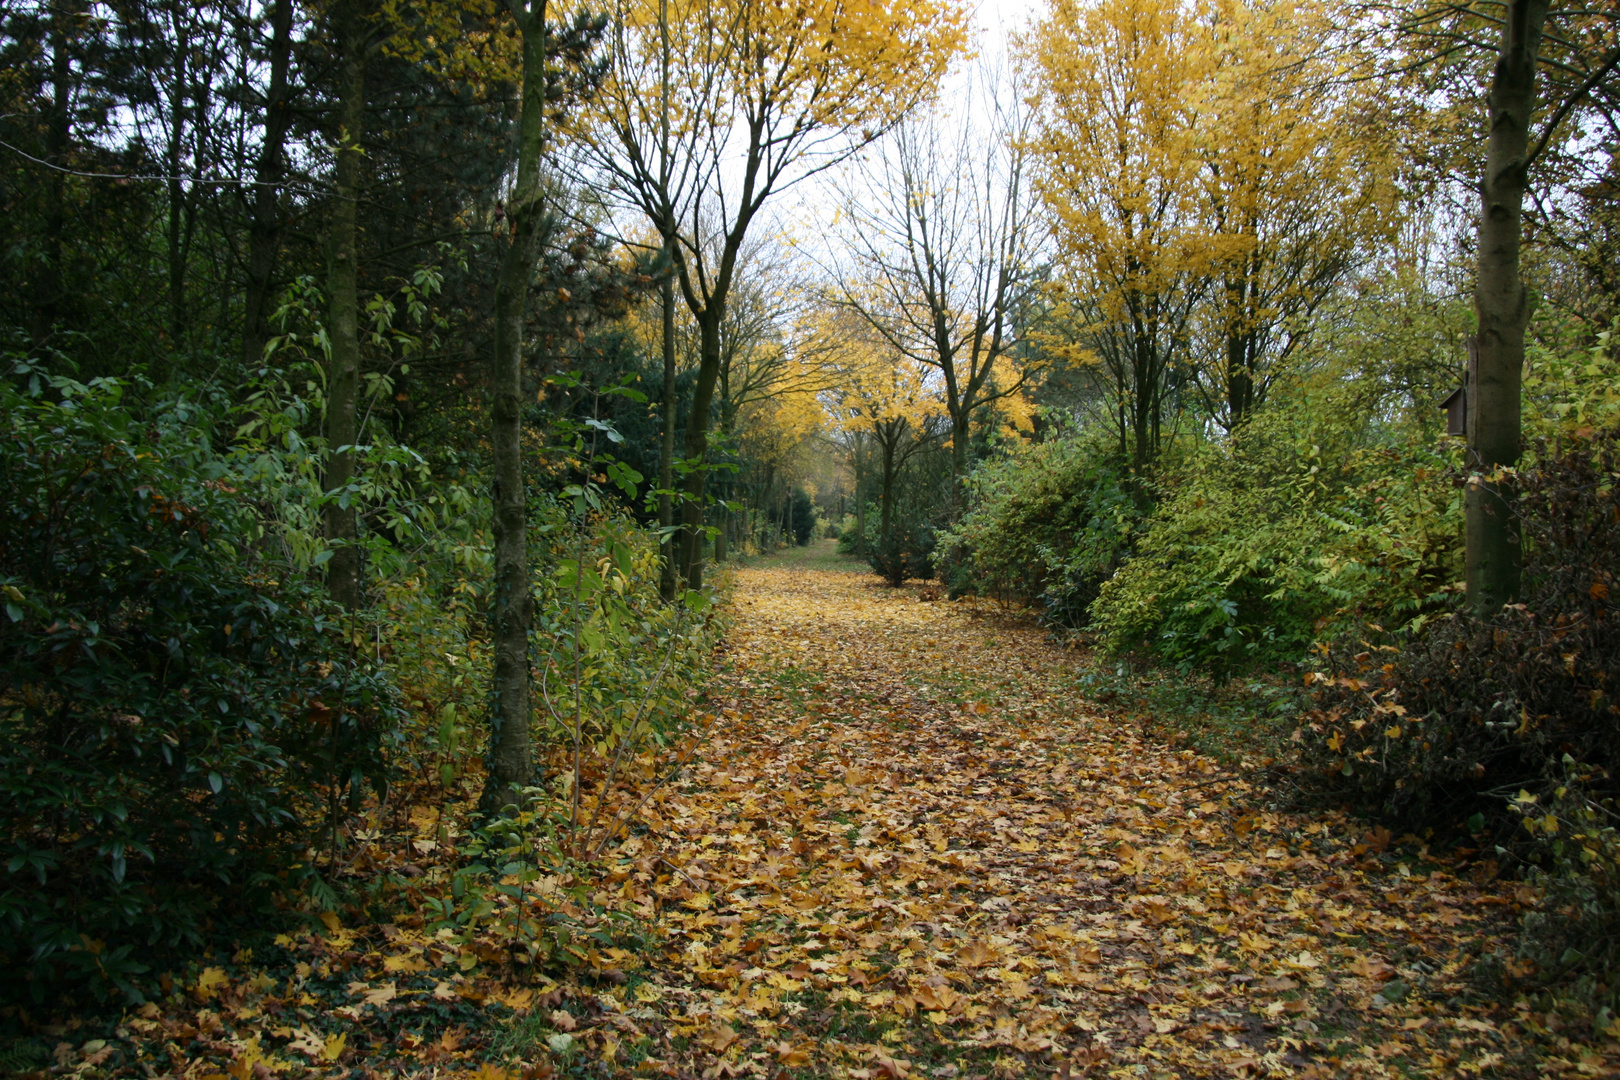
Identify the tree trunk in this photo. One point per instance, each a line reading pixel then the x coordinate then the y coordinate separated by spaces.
pixel 48 284
pixel 264 227
pixel 177 190
pixel 1493 559
pixel 343 299
pixel 860 509
pixel 666 447
pixel 697 444
pixel 511 757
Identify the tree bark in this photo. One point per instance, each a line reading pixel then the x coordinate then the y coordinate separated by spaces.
pixel 697 439
pixel 176 188
pixel 264 227
pixel 48 283
pixel 666 447
pixel 511 756
pixel 1500 301
pixel 343 299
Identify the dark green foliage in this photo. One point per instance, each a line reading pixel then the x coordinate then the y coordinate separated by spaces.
pixel 803 516
pixel 1509 725
pixel 1049 524
pixel 906 553
pixel 1477 706
pixel 178 712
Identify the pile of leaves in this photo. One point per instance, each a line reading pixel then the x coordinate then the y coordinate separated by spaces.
pixel 892 846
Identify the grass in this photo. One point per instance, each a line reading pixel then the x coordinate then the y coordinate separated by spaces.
pixel 817 555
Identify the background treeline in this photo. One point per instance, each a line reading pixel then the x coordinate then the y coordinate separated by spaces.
pixel 1259 268
pixel 352 402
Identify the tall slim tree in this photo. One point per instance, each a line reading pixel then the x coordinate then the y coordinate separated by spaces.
pixel 343 299
pixel 763 95
pixel 556 70
pixel 945 244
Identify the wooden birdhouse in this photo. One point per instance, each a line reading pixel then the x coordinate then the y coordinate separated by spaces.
pixel 1456 403
pixel 1456 406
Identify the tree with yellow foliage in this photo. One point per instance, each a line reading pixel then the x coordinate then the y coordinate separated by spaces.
pixel 1114 146
pixel 1298 185
pixel 759 96
pixel 876 391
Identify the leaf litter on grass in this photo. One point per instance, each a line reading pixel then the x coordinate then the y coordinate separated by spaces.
pixel 905 850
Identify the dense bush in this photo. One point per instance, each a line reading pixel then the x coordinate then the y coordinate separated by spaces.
pixel 1047 522
pixel 1484 704
pixel 1306 518
pixel 177 712
pixel 907 551
pixel 1516 713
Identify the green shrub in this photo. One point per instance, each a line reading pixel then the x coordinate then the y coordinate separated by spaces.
pixel 1478 705
pixel 1307 518
pixel 178 713
pixel 1049 522
pixel 907 552
pixel 1509 723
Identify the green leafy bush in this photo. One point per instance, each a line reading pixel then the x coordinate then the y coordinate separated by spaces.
pixel 1476 705
pixel 907 551
pixel 1309 517
pixel 178 714
pixel 1048 522
pixel 1509 722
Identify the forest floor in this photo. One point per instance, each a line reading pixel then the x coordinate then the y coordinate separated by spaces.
pixel 907 849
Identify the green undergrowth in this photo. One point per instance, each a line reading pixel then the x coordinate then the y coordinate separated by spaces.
pixel 1245 720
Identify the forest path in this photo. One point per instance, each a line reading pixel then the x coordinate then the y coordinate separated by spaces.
pixel 911 851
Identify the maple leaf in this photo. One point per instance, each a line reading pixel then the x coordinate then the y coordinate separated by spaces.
pixel 718 1037
pixel 210 982
pixel 977 954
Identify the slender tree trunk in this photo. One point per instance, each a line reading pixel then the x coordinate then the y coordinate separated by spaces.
pixel 697 444
pixel 511 757
pixel 343 299
pixel 860 508
pixel 666 447
pixel 264 226
pixel 177 190
pixel 667 584
pixel 48 284
pixel 1493 558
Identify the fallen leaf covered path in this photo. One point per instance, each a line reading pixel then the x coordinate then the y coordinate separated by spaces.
pixel 905 847
pixel 910 850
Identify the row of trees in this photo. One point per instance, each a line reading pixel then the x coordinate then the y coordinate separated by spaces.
pixel 435 198
pixel 1177 200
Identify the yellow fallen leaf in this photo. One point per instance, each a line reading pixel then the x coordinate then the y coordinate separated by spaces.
pixel 718 1037
pixel 330 920
pixel 332 1049
pixel 211 981
pixel 405 963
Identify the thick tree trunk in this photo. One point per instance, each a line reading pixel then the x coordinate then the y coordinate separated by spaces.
pixel 1493 559
pixel 511 756
pixel 343 299
pixel 666 447
pixel 264 226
